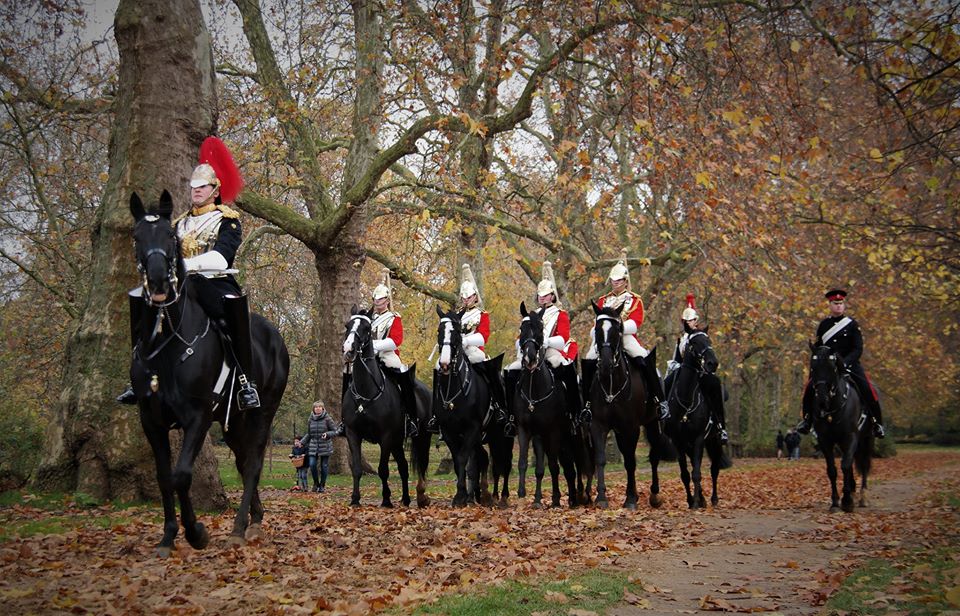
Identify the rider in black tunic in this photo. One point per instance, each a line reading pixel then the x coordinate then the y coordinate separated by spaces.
pixel 842 334
pixel 209 236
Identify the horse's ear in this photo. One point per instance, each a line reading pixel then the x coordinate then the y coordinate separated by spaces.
pixel 136 207
pixel 439 311
pixel 706 329
pixel 461 313
pixel 165 205
pixel 596 309
pixel 523 309
pixel 810 344
pixel 354 309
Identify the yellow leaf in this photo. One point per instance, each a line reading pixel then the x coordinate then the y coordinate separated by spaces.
pixel 710 45
pixel 876 154
pixel 795 46
pixel 850 12
pixel 556 597
pixel 735 116
pixel 775 159
pixel 815 142
pixel 703 179
pixel 932 183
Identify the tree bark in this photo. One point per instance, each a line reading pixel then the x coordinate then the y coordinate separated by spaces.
pixel 165 106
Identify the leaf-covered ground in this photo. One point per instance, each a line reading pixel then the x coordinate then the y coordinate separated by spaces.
pixel 319 555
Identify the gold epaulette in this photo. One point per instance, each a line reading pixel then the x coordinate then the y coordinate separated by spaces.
pixel 228 212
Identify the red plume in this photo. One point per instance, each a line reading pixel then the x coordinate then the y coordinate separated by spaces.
pixel 215 153
pixel 690 300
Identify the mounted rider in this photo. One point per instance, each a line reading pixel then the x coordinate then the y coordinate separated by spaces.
pixel 560 351
pixel 475 332
pixel 210 235
pixel 709 383
pixel 632 316
pixel 842 334
pixel 387 334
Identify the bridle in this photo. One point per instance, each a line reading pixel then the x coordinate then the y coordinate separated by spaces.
pixel 170 258
pixel 616 349
pixel 457 364
pixel 541 352
pixel 835 398
pixel 692 360
pixel 359 357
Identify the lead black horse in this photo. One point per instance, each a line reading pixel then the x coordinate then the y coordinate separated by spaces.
pixel 543 409
pixel 373 411
pixel 183 377
pixel 621 403
pixel 841 424
pixel 690 426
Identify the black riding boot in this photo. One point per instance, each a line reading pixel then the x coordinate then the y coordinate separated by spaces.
pixel 237 315
pixel 569 378
pixel 510 380
pixel 588 368
pixel 648 368
pixel 497 395
pixel 408 392
pixel 713 389
pixel 137 305
pixel 876 416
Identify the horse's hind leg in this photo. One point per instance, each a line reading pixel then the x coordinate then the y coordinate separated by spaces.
pixel 849 482
pixel 685 476
pixel 538 457
pixel 832 476
pixel 599 436
pixel 383 471
pixel 356 466
pixel 404 471
pixel 628 447
pixel 160 443
pixel 522 462
pixel 696 465
pixel 715 462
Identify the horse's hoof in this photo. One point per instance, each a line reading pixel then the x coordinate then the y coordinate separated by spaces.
pixel 630 505
pixel 847 507
pixel 163 551
pixel 602 503
pixel 714 501
pixel 521 493
pixel 537 505
pixel 406 502
pixel 254 532
pixel 423 502
pixel 236 541
pixel 834 508
pixel 354 503
pixel 386 504
pixel 199 538
pixel 656 500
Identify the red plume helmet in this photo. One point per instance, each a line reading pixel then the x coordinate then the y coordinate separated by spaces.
pixel 690 312
pixel 690 303
pixel 214 153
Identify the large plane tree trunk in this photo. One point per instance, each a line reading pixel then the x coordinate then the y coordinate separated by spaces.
pixel 165 106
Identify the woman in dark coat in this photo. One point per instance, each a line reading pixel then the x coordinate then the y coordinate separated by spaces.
pixel 319 443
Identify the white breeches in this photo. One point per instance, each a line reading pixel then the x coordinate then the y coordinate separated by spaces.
pixel 473 354
pixel 390 359
pixel 553 357
pixel 630 346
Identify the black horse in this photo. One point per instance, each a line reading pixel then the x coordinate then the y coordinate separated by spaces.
pixel 461 404
pixel 840 422
pixel 373 411
pixel 183 377
pixel 690 426
pixel 541 406
pixel 621 403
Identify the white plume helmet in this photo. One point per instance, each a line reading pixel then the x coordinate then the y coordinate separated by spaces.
pixel 383 289
pixel 619 271
pixel 547 283
pixel 468 285
pixel 690 312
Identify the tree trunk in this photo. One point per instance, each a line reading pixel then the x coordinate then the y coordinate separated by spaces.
pixel 165 106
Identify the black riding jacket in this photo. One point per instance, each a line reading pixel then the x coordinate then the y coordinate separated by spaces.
pixel 848 342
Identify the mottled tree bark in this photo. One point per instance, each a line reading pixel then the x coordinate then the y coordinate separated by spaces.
pixel 165 106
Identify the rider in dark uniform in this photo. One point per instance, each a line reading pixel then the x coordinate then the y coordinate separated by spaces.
pixel 209 236
pixel 842 334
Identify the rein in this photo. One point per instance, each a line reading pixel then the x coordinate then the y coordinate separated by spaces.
pixel 618 361
pixel 362 360
pixel 464 384
pixel 839 390
pixel 695 364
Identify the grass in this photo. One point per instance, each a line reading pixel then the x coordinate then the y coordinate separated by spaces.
pixel 593 591
pixel 920 582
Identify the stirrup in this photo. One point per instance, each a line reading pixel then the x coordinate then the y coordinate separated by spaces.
pixel 804 426
pixel 724 437
pixel 510 428
pixel 432 425
pixel 247 395
pixel 664 410
pixel 341 430
pixel 127 397
pixel 586 415
pixel 411 428
pixel 878 430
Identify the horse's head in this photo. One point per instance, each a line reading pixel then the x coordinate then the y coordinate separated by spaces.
pixel 157 250
pixel 608 335
pixel 699 354
pixel 449 339
pixel 531 338
pixel 825 371
pixel 358 335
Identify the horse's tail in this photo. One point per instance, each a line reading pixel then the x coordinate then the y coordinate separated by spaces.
pixel 863 457
pixel 660 446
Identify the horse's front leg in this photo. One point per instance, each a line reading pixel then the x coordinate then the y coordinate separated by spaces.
pixel 827 449
pixel 656 442
pixel 685 475
pixel 403 470
pixel 696 464
pixel 159 441
pixel 460 455
pixel 849 481
pixel 193 437
pixel 383 471
pixel 356 465
pixel 568 466
pixel 598 434
pixel 716 457
pixel 627 442
pixel 538 470
pixel 522 463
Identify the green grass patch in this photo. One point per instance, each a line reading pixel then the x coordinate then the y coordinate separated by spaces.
pixel 919 582
pixel 593 591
